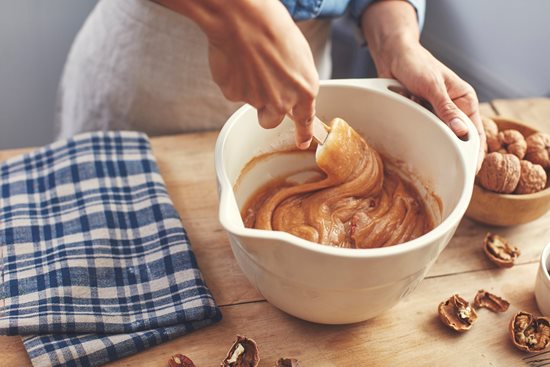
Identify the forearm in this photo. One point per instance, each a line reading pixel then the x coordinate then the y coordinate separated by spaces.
pixel 389 26
pixel 212 16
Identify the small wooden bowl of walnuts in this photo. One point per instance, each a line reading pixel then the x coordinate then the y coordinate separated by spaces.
pixel 512 186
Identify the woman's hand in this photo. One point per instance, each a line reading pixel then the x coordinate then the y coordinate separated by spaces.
pixel 259 56
pixel 391 31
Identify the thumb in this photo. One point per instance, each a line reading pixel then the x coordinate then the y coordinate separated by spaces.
pixel 448 112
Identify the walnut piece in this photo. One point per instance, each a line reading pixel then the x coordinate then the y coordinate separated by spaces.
pixel 490 301
pixel 530 333
pixel 179 360
pixel 243 353
pixel 512 142
pixel 287 362
pixel 500 172
pixel 457 314
pixel 500 251
pixel 538 149
pixel 532 178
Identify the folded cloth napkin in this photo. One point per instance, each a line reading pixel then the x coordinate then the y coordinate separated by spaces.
pixel 94 262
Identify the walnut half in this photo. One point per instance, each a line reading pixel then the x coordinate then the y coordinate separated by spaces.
pixel 243 353
pixel 287 362
pixel 457 314
pixel 500 251
pixel 530 333
pixel 179 360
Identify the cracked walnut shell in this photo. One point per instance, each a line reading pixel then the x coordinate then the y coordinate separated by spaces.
pixel 538 149
pixel 532 178
pixel 490 301
pixel 500 251
pixel 179 360
pixel 530 333
pixel 500 172
pixel 512 141
pixel 243 353
pixel 287 362
pixel 457 314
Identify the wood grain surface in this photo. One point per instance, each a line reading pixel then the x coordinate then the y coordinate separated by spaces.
pixel 408 334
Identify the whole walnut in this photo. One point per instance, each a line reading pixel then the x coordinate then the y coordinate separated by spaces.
pixel 538 149
pixel 491 133
pixel 512 141
pixel 532 178
pixel 490 127
pixel 500 172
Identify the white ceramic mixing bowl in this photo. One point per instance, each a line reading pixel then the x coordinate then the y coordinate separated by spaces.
pixel 332 285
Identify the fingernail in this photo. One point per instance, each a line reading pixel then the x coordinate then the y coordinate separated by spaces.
pixel 458 126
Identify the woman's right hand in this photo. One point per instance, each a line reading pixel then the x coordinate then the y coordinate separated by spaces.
pixel 259 56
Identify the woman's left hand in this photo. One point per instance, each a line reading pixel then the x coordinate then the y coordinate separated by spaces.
pixel 392 33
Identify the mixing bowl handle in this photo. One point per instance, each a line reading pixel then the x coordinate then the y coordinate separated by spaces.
pixel 391 87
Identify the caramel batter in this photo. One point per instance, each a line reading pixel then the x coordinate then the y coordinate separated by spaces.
pixel 357 202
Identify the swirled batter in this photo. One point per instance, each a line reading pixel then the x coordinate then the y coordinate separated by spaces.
pixel 356 202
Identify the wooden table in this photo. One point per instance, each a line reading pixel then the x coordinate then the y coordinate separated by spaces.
pixel 408 334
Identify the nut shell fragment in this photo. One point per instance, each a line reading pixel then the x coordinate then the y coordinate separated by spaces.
pixel 179 360
pixel 457 314
pixel 532 178
pixel 243 353
pixel 500 172
pixel 287 362
pixel 530 333
pixel 490 301
pixel 538 149
pixel 500 251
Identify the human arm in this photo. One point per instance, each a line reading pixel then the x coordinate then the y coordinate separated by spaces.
pixel 391 30
pixel 259 56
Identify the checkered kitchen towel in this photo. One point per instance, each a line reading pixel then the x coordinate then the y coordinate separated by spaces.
pixel 95 264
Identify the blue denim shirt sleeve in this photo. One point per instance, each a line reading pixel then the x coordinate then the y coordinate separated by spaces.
pixel 358 6
pixel 309 9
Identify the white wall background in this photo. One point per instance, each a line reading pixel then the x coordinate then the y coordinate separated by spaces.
pixel 35 37
pixel 502 47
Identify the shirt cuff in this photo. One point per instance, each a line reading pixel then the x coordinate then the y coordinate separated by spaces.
pixel 358 6
pixel 309 9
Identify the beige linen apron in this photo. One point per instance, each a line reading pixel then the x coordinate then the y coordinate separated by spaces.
pixel 136 65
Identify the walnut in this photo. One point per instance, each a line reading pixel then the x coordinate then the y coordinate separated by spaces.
pixel 530 333
pixel 500 251
pixel 490 127
pixel 538 149
pixel 500 172
pixel 288 362
pixel 179 360
pixel 512 141
pixel 243 353
pixel 491 134
pixel 490 301
pixel 457 314
pixel 532 178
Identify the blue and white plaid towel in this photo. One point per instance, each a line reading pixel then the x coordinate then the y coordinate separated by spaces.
pixel 95 264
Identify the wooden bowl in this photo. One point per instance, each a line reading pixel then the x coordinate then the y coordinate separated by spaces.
pixel 508 209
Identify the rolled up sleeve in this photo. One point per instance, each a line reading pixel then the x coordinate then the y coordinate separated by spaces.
pixel 358 6
pixel 309 9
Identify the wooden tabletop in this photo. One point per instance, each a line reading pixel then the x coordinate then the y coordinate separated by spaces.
pixel 408 334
